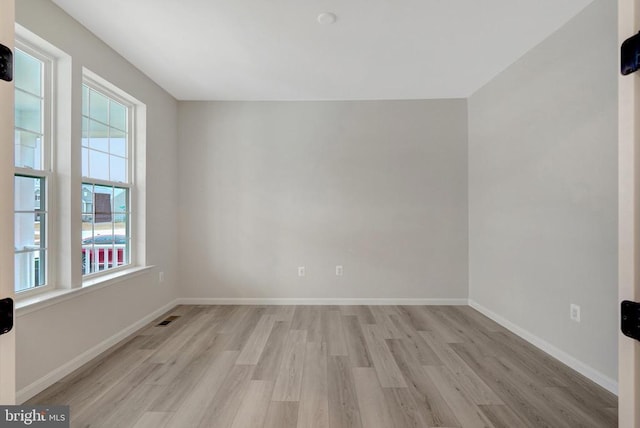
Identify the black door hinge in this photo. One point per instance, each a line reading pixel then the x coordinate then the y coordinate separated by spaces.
pixel 6 315
pixel 630 319
pixel 6 63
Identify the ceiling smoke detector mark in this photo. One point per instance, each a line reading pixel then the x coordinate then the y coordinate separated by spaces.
pixel 327 18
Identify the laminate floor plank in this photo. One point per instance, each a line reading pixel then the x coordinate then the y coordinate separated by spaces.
pixel 181 338
pixel 176 364
pixel 552 369
pixel 309 318
pixel 187 374
pixel 282 313
pixel 223 407
pixel 479 319
pixel 313 411
pixel 388 372
pixel 289 379
pixel 343 402
pixel 333 333
pixel 240 335
pixel 524 401
pixel 440 326
pixel 356 345
pixel 194 405
pixel 371 400
pixel 252 350
pixel 465 328
pixel 403 409
pixel 153 420
pixel 331 367
pixel 502 416
pixel 469 415
pixel 282 414
pixel 271 357
pixel 129 398
pixel 384 325
pixel 253 410
pixel 362 312
pixel 432 406
pixel 466 378
pixel 415 317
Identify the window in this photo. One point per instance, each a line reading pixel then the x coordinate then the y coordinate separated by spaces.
pixel 106 180
pixel 32 167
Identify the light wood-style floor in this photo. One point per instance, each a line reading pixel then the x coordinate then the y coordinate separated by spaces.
pixel 329 366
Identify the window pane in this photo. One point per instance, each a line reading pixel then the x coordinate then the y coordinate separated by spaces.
pixel 28 150
pixel 98 106
pixel 98 136
pixel 98 165
pixel 87 226
pixel 121 228
pixel 118 169
pixel 30 270
pixel 28 193
pixel 117 142
pixel 28 72
pixel 85 132
pixel 118 115
pixel 85 162
pixel 28 110
pixel 120 200
pixel 27 232
pixel 105 245
pixel 87 198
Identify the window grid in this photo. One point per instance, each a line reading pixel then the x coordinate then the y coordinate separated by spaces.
pixel 31 160
pixel 106 171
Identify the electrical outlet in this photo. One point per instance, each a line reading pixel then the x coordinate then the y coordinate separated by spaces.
pixel 574 312
pixel 300 270
pixel 339 270
pixel 161 277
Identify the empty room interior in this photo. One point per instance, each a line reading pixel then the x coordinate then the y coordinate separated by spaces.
pixel 317 214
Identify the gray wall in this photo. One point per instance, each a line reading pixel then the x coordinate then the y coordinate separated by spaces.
pixel 543 190
pixel 378 187
pixel 53 336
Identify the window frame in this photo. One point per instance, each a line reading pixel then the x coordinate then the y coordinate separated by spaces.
pixel 46 173
pixel 109 90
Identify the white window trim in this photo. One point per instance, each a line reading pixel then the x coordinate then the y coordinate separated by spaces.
pixel 64 175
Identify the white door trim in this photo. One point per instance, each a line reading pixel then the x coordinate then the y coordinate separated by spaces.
pixel 628 219
pixel 7 341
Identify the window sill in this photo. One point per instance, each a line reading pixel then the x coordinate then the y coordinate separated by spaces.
pixel 36 302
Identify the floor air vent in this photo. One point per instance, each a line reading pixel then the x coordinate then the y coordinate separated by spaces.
pixel 168 320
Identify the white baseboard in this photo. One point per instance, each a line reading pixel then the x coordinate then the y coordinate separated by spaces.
pixel 54 376
pixel 318 301
pixel 606 382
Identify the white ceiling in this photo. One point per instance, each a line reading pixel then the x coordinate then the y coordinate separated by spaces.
pixel 276 50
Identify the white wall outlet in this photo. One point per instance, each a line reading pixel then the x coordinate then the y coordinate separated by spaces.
pixel 574 312
pixel 300 270
pixel 339 270
pixel 161 277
